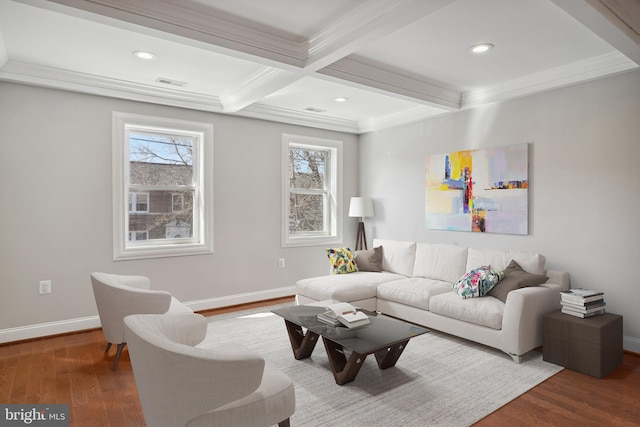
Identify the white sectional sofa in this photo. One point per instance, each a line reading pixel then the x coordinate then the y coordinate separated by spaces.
pixel 415 284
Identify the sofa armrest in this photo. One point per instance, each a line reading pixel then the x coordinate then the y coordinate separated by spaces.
pixel 560 278
pixel 522 318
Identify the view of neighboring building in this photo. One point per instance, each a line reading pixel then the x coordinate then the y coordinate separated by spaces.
pixel 160 213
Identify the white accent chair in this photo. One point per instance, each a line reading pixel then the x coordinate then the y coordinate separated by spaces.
pixel 118 296
pixel 180 384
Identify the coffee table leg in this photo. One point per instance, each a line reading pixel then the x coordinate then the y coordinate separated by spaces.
pixel 344 371
pixel 302 344
pixel 387 357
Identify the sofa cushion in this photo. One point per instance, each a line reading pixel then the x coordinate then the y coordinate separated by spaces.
pixel 478 282
pixel 515 278
pixel 413 291
pixel 369 260
pixel 397 256
pixel 530 261
pixel 439 261
pixel 344 287
pixel 486 311
pixel 342 260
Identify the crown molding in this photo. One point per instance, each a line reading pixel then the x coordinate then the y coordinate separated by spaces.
pixel 388 81
pixel 411 115
pixel 577 72
pixel 302 118
pixel 56 78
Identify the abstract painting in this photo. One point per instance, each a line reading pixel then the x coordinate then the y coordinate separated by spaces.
pixel 483 190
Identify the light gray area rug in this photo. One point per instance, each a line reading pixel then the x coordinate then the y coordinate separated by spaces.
pixel 439 380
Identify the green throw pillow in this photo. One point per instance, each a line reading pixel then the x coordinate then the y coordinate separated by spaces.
pixel 478 282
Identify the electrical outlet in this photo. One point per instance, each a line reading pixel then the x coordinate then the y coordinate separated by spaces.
pixel 281 263
pixel 45 287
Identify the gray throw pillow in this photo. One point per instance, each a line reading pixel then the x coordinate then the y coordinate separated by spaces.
pixel 369 260
pixel 515 278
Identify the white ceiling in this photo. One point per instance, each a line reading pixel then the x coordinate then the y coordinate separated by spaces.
pixel 396 60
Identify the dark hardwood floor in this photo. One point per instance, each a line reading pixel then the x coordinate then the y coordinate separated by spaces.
pixel 74 370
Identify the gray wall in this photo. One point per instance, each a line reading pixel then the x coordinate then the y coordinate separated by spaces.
pixel 584 173
pixel 55 192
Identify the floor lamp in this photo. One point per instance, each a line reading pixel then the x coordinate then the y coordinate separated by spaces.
pixel 361 207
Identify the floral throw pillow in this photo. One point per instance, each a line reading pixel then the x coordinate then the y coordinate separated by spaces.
pixel 342 260
pixel 478 282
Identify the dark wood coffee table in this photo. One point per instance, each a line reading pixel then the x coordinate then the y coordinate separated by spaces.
pixel 385 337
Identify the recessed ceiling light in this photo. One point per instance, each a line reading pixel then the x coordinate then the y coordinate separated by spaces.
pixel 341 99
pixel 480 48
pixel 144 55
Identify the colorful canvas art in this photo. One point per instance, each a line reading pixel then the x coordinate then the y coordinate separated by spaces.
pixel 483 190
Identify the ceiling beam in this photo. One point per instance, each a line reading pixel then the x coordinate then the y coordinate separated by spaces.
pixel 601 25
pixel 360 27
pixel 263 83
pixel 364 25
pixel 285 58
pixel 383 79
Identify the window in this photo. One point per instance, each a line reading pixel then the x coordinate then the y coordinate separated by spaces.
pixel 177 202
pixel 138 235
pixel 163 187
pixel 312 187
pixel 139 202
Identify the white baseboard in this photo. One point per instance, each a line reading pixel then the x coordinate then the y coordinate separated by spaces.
pixel 72 325
pixel 208 304
pixel 631 344
pixel 50 328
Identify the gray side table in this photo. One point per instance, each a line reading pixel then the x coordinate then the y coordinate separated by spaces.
pixel 592 346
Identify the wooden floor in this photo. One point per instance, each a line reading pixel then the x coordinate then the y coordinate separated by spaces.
pixel 73 369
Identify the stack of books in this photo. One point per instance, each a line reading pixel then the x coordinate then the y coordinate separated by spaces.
pixel 329 318
pixel 582 302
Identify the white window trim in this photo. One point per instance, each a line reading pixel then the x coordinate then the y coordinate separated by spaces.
pixel 204 244
pixel 335 194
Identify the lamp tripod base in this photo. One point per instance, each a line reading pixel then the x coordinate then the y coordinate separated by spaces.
pixel 361 238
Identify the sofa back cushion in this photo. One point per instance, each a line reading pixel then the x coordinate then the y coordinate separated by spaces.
pixel 440 262
pixel 530 261
pixel 397 256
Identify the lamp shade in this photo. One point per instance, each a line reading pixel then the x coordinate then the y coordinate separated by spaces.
pixel 361 207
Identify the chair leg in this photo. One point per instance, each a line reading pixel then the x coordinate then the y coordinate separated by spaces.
pixel 120 347
pixel 284 423
pixel 106 350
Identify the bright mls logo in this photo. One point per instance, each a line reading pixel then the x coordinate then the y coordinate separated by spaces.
pixel 38 415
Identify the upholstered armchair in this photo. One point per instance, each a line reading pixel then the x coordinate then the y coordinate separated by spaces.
pixel 180 384
pixel 118 296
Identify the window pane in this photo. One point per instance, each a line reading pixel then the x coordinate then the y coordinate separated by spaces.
pixel 306 213
pixel 307 168
pixel 177 202
pixel 162 221
pixel 160 159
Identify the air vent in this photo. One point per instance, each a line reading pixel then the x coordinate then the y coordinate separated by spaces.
pixel 170 82
pixel 315 110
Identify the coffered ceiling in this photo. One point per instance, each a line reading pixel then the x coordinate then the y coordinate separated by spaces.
pixel 395 61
